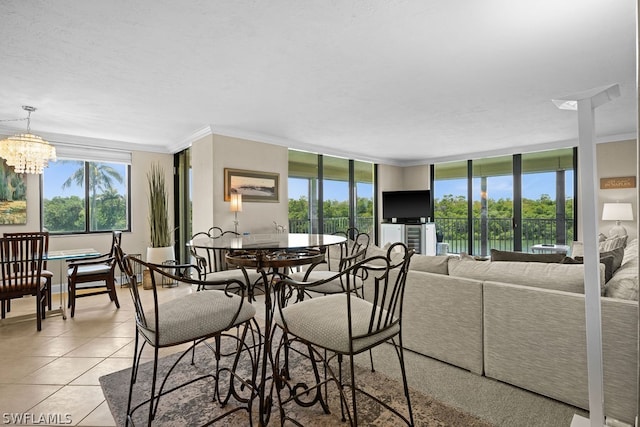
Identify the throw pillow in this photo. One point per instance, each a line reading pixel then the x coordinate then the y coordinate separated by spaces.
pixel 497 255
pixel 611 260
pixel 430 264
pixel 612 243
pixel 623 288
pixel 466 257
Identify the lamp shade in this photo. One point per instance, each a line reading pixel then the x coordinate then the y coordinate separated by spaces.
pixel 617 212
pixel 236 203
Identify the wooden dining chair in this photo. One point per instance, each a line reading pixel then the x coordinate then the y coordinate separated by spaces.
pixel 94 275
pixel 21 260
pixel 47 274
pixel 344 325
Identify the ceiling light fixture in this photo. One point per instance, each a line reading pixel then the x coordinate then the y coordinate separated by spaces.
pixel 27 153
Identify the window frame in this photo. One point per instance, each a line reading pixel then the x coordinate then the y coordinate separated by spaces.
pixel 87 198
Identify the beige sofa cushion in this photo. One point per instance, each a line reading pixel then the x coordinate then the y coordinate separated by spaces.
pixel 563 277
pixel 430 264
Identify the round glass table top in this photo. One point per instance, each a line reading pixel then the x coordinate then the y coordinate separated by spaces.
pixel 267 241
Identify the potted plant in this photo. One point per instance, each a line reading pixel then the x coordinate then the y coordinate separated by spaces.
pixel 161 248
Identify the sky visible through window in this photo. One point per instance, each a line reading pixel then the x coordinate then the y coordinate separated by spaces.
pixel 333 190
pixel 501 186
pixel 59 171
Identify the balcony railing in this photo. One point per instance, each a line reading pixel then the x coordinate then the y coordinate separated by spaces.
pixel 500 233
pixel 454 231
pixel 331 225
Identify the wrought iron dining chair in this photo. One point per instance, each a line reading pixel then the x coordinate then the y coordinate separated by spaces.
pixel 93 275
pixel 213 265
pixel 342 325
pixel 195 318
pixel 353 250
pixel 21 260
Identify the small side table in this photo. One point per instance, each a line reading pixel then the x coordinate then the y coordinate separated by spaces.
pixel 552 249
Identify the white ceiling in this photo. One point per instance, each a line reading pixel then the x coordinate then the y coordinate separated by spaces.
pixel 393 81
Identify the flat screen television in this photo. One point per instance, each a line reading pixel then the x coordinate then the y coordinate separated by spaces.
pixel 406 206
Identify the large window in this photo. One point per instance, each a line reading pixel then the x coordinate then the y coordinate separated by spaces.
pixel 507 203
pixel 84 197
pixel 329 194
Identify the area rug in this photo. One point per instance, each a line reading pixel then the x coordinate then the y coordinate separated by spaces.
pixel 192 405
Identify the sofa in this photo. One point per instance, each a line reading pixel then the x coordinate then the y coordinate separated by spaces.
pixel 523 323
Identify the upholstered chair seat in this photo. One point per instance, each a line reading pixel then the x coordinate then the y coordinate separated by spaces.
pixel 324 322
pixel 194 315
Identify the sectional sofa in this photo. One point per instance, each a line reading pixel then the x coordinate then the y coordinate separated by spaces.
pixel 523 323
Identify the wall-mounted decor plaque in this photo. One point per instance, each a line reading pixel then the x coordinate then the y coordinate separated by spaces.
pixel 618 182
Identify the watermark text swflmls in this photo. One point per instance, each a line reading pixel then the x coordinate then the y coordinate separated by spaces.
pixel 30 418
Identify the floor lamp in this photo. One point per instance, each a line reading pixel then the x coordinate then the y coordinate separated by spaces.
pixel 235 207
pixel 585 104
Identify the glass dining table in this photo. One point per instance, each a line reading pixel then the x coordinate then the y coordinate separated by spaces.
pixel 271 255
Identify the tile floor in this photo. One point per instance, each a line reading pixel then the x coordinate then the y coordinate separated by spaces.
pixel 54 373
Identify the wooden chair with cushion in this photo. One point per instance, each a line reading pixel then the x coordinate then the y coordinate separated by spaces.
pixel 194 318
pixel 47 274
pixel 21 260
pixel 342 325
pixel 94 275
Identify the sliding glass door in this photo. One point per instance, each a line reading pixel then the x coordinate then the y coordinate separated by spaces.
pixel 329 194
pixel 507 203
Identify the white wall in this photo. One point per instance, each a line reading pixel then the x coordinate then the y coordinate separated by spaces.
pixel 210 156
pixel 617 159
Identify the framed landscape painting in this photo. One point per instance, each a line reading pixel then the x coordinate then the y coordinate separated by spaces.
pixel 13 196
pixel 254 186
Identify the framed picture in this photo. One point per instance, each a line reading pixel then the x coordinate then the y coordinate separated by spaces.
pixel 13 196
pixel 254 186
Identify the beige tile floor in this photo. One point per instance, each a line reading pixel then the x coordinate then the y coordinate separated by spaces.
pixel 54 373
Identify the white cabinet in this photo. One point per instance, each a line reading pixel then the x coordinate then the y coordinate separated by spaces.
pixel 421 237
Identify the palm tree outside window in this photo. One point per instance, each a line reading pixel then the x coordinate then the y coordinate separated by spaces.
pixel 83 197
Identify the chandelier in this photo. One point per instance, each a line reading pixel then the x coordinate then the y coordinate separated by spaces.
pixel 27 153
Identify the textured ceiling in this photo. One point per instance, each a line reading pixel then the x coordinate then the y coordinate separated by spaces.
pixel 400 82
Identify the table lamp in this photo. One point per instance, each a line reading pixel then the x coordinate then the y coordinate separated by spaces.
pixel 235 207
pixel 617 212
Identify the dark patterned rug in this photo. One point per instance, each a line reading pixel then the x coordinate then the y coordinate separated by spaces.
pixel 193 405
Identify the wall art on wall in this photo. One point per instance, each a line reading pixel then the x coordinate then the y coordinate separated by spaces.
pixel 618 182
pixel 254 186
pixel 13 196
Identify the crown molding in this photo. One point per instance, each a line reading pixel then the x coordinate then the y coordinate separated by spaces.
pixel 110 144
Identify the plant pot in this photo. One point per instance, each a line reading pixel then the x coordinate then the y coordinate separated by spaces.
pixel 158 256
